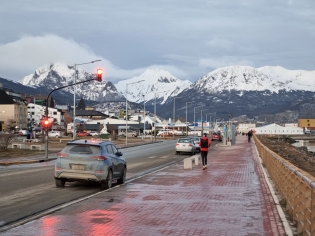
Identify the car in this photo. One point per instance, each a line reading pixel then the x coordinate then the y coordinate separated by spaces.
pixel 22 132
pixel 185 145
pixel 130 133
pixel 90 160
pixel 196 141
pixel 82 134
pixel 54 134
pixel 93 133
pixel 216 136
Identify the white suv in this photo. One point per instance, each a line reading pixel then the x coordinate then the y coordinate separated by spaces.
pixel 54 134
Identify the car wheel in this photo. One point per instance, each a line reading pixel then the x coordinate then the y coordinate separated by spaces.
pixel 60 183
pixel 176 153
pixel 57 136
pixel 122 179
pixel 107 184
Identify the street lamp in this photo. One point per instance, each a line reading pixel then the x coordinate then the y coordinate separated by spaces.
pixel 186 118
pixel 127 107
pixel 202 122
pixel 155 112
pixel 143 136
pixel 195 119
pixel 74 91
pixel 174 116
pixel 210 120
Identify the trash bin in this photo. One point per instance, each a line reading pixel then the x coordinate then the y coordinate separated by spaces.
pixel 103 136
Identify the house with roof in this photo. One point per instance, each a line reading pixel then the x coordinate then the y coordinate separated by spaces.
pixel 13 110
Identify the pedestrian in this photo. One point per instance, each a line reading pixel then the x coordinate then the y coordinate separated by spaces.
pixel 249 135
pixel 204 143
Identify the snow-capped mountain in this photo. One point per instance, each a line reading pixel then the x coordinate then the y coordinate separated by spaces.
pixel 244 90
pixel 246 78
pixel 58 75
pixel 155 83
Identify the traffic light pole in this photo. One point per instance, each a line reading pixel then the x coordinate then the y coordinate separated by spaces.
pixel 46 111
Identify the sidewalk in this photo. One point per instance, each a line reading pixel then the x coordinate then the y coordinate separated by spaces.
pixel 231 197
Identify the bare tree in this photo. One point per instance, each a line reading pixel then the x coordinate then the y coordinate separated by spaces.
pixel 6 140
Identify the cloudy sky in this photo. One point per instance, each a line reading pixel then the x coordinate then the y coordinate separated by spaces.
pixel 187 38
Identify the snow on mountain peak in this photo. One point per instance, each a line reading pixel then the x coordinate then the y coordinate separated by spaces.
pixel 250 79
pixel 155 83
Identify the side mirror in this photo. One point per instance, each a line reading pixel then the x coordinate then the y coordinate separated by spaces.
pixel 118 154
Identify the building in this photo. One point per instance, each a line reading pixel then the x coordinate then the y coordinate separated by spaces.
pixel 13 110
pixel 244 128
pixel 307 123
pixel 278 129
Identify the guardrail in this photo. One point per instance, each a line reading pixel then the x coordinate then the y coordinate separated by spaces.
pixel 295 187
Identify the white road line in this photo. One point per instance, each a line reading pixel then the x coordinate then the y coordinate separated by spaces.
pixel 164 157
pixel 152 157
pixel 20 172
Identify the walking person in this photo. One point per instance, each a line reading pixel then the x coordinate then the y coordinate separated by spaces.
pixel 204 143
pixel 249 135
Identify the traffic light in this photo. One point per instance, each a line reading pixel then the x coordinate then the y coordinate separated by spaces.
pixel 99 75
pixel 46 123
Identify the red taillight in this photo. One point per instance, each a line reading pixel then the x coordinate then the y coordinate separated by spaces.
pixel 62 155
pixel 190 145
pixel 100 158
pixel 177 144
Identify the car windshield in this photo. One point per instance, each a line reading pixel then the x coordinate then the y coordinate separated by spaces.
pixel 82 149
pixel 183 141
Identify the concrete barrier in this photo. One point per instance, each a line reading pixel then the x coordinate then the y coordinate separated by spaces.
pixel 190 162
pixel 20 145
pixel 35 140
pixel 37 147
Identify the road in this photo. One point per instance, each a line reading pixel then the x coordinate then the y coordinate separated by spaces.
pixel 29 189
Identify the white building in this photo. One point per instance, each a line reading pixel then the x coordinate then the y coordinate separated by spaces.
pixel 36 112
pixel 278 129
pixel 244 128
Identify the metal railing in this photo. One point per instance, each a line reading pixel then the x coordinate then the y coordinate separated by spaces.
pixel 295 187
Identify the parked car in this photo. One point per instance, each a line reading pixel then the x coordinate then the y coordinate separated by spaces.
pixel 54 134
pixel 196 141
pixel 130 133
pixel 185 145
pixel 90 160
pixel 22 132
pixel 82 134
pixel 216 136
pixel 93 133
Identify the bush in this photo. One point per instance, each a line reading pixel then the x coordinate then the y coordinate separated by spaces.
pixel 6 140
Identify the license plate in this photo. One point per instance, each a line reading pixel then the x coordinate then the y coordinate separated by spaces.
pixel 77 167
pixel 184 145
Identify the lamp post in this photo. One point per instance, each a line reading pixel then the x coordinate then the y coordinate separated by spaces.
pixel 174 116
pixel 195 119
pixel 127 106
pixel 209 122
pixel 143 137
pixel 186 118
pixel 74 91
pixel 202 123
pixel 155 112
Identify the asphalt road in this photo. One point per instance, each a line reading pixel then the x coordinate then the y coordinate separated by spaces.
pixel 30 189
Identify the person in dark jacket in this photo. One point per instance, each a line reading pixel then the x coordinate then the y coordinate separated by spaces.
pixel 204 144
pixel 249 135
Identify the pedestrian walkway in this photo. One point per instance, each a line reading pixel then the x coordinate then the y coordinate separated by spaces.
pixel 231 197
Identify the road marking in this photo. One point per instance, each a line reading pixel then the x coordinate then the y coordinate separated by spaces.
pixel 164 157
pixel 152 157
pixel 25 171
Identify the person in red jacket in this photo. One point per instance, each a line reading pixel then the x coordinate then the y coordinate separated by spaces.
pixel 204 143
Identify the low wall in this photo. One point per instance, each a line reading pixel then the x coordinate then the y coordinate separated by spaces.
pixel 295 187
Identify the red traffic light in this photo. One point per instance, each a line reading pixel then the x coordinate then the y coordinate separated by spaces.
pixel 46 122
pixel 99 75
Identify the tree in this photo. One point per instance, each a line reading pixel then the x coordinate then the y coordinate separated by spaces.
pixel 6 140
pixel 10 125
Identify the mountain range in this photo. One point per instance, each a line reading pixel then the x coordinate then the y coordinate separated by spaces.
pixel 233 90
